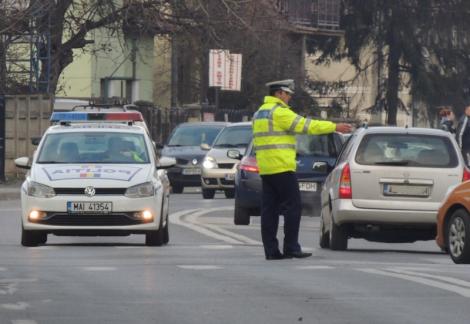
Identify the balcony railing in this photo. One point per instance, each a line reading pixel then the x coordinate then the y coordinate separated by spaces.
pixel 321 14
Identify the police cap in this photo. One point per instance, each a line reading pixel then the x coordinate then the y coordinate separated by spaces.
pixel 284 85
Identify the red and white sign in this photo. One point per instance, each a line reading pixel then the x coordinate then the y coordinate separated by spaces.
pixel 225 70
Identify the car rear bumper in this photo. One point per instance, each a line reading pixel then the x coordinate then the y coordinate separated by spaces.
pixel 346 213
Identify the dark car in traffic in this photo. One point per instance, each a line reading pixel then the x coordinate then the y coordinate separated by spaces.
pixel 184 144
pixel 316 156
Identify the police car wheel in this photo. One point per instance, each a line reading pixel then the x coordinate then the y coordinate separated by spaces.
pixel 32 238
pixel 154 238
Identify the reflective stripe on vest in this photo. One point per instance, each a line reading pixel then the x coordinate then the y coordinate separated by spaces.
pixel 268 114
pixel 306 125
pixel 294 123
pixel 275 146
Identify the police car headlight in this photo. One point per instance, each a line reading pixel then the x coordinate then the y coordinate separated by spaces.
pixel 140 191
pixel 38 190
pixel 209 163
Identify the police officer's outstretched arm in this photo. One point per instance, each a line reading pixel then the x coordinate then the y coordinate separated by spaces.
pixel 290 121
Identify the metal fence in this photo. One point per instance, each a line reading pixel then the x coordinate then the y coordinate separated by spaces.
pixel 161 122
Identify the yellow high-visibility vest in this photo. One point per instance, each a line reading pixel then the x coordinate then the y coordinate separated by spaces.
pixel 274 129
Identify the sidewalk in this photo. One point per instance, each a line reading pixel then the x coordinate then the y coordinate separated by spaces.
pixel 10 190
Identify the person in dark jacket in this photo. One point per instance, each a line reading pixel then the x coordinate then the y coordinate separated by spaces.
pixel 462 134
pixel 447 119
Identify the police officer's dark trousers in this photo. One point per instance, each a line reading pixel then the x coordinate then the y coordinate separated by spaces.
pixel 280 195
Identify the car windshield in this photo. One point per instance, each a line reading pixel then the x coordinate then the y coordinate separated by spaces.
pixel 408 149
pixel 99 147
pixel 194 135
pixel 237 136
pixel 318 145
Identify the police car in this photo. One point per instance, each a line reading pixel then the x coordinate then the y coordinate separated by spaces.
pixel 95 174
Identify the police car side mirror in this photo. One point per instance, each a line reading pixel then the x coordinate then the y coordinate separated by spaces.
pixel 23 162
pixel 35 140
pixel 166 162
pixel 205 147
pixel 234 154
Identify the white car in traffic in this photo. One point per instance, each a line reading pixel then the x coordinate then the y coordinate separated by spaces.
pixel 95 178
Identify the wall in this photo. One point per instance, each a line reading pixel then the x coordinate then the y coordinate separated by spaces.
pixel 26 117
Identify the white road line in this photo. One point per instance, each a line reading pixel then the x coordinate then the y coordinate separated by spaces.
pixel 189 219
pixel 175 218
pixel 19 321
pixel 3 269
pixel 18 306
pixel 314 267
pixel 99 268
pixel 44 247
pixel 428 282
pixel 193 218
pixel 199 267
pixel 451 280
pixel 216 247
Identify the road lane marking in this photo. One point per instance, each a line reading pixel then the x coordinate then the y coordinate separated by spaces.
pixel 193 218
pixel 19 321
pixel 99 268
pixel 428 282
pixel 3 269
pixel 18 306
pixel 175 218
pixel 216 247
pixel 450 280
pixel 200 267
pixel 9 286
pixel 314 267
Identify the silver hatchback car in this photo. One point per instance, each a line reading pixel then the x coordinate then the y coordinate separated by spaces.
pixel 387 185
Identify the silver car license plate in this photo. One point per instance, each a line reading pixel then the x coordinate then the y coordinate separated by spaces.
pixel 192 171
pixel 308 186
pixel 89 207
pixel 406 190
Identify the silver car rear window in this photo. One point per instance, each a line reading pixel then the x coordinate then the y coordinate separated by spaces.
pixel 407 150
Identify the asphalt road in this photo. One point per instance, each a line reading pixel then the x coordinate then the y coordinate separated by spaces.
pixel 215 272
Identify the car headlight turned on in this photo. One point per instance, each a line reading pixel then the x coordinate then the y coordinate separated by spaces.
pixel 209 163
pixel 140 191
pixel 38 190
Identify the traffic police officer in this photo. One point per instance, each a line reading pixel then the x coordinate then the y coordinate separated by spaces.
pixel 274 129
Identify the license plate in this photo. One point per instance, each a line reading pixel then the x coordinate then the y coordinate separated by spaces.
pixel 192 171
pixel 89 207
pixel 406 190
pixel 308 186
pixel 230 176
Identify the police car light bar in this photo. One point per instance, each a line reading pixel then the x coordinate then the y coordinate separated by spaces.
pixel 96 117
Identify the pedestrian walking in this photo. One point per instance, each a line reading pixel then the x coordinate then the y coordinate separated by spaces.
pixel 274 129
pixel 462 134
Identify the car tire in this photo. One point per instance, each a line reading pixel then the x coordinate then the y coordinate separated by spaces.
pixel 32 238
pixel 241 215
pixel 177 189
pixel 166 232
pixel 458 236
pixel 338 237
pixel 324 236
pixel 208 193
pixel 229 193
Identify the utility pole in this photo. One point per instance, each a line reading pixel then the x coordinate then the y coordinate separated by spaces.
pixel 3 83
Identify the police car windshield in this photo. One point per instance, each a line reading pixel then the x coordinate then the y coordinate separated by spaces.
pixel 194 135
pixel 99 147
pixel 236 136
